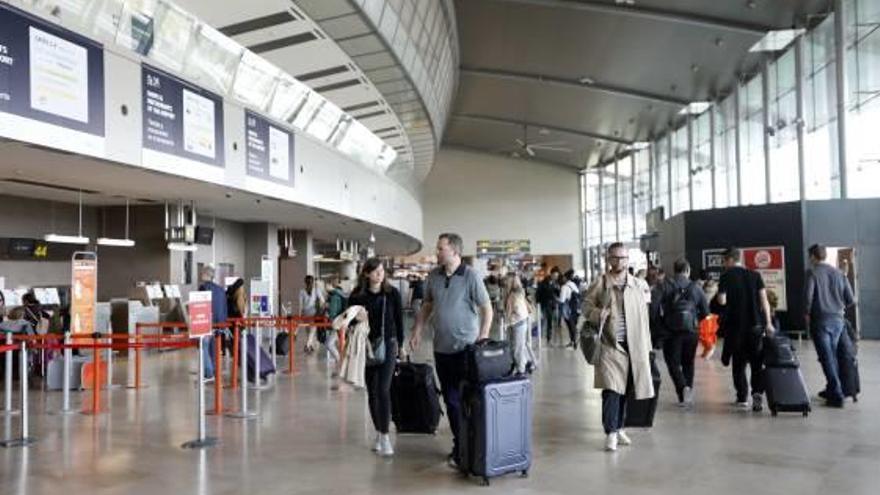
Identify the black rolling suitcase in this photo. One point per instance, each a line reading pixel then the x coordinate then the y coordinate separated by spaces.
pixel 783 380
pixel 848 368
pixel 267 367
pixel 415 399
pixel 640 413
pixel 496 428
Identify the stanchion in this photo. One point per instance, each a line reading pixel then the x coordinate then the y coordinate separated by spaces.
pixel 137 357
pixel 202 440
pixel 273 341
pixel 65 382
pixel 218 376
pixel 236 337
pixel 258 352
pixel 7 406
pixel 96 377
pixel 243 413
pixel 291 336
pixel 24 439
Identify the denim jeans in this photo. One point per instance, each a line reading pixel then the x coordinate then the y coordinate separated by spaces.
pixel 679 351
pixel 450 372
pixel 826 337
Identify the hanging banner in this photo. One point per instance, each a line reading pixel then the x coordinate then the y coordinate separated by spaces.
pixel 199 309
pixel 84 292
pixel 51 84
pixel 713 263
pixel 269 149
pixel 770 263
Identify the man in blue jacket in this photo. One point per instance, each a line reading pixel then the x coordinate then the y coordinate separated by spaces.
pixel 218 314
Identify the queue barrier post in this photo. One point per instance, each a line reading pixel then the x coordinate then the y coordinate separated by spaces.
pixel 218 375
pixel 65 382
pixel 96 377
pixel 202 440
pixel 7 405
pixel 236 337
pixel 258 354
pixel 243 412
pixel 25 439
pixel 137 358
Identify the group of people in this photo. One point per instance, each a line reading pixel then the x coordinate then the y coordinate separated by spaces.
pixel 559 296
pixel 634 317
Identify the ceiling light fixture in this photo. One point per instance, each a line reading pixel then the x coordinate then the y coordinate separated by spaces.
pixel 70 239
pixel 182 246
pixel 587 80
pixel 638 146
pixel 776 40
pixel 127 242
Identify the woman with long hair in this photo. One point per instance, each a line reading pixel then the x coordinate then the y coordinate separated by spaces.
pixel 385 314
pixel 517 311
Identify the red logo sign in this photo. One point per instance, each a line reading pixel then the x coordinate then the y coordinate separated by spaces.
pixel 199 308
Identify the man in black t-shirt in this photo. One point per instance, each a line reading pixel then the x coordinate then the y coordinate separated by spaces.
pixel 746 320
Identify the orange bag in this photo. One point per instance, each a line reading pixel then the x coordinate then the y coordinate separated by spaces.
pixel 709 331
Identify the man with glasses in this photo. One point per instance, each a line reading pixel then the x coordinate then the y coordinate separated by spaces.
pixel 616 304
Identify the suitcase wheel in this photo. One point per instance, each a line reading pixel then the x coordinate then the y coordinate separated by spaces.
pixel 485 481
pixel 806 413
pixel 524 473
pixel 855 398
pixel 774 412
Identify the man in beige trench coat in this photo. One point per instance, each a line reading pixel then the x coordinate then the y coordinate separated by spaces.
pixel 618 299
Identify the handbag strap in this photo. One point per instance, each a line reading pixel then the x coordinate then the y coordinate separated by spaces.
pixel 382 325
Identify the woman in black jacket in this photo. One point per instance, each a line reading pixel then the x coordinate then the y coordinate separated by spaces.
pixel 385 314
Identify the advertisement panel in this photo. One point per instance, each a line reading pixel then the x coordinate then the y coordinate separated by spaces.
pixel 770 263
pixel 51 84
pixel 83 293
pixel 269 150
pixel 713 263
pixel 180 119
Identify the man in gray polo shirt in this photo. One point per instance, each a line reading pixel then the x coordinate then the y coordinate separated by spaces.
pixel 458 308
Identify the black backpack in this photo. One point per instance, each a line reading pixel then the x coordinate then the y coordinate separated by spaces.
pixel 574 303
pixel 681 312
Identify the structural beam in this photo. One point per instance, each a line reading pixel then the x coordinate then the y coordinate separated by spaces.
pixel 577 132
pixel 594 86
pixel 649 13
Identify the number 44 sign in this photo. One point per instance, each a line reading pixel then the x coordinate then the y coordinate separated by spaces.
pixel 199 308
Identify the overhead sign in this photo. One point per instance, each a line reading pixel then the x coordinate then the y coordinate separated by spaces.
pixel 199 309
pixel 269 150
pixel 180 119
pixel 83 294
pixel 51 84
pixel 516 247
pixel 713 263
pixel 770 263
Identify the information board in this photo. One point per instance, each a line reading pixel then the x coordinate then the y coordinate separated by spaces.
pixel 770 263
pixel 713 263
pixel 514 247
pixel 269 150
pixel 199 309
pixel 180 119
pixel 51 84
pixel 83 294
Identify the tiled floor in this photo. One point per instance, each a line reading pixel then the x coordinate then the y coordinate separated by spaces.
pixel 310 439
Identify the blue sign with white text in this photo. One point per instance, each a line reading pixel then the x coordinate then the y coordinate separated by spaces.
pixel 269 149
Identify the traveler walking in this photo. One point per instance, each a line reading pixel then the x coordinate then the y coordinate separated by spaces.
pixel 616 304
pixel 336 304
pixel 684 305
pixel 828 295
pixel 385 315
pixel 311 300
pixel 517 312
pixel 570 302
pixel 745 321
pixel 544 296
pixel 236 307
pixel 459 310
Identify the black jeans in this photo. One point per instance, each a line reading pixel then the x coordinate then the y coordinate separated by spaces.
pixel 547 315
pixel 571 323
pixel 378 380
pixel 450 371
pixel 748 354
pixel 679 351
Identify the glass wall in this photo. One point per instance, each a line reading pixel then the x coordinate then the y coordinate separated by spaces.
pixel 741 160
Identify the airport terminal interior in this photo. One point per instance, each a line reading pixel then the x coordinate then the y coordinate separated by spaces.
pixel 439 246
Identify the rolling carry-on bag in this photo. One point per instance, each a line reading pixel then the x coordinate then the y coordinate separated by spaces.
pixel 786 391
pixel 415 398
pixel 640 413
pixel 267 367
pixel 848 371
pixel 496 428
pixel 488 360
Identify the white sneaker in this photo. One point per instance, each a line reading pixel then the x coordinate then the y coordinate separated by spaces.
pixel 742 406
pixel 377 445
pixel 623 438
pixel 688 394
pixel 385 448
pixel 611 442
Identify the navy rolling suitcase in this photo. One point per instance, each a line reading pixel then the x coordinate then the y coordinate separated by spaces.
pixel 848 367
pixel 496 429
pixel 266 366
